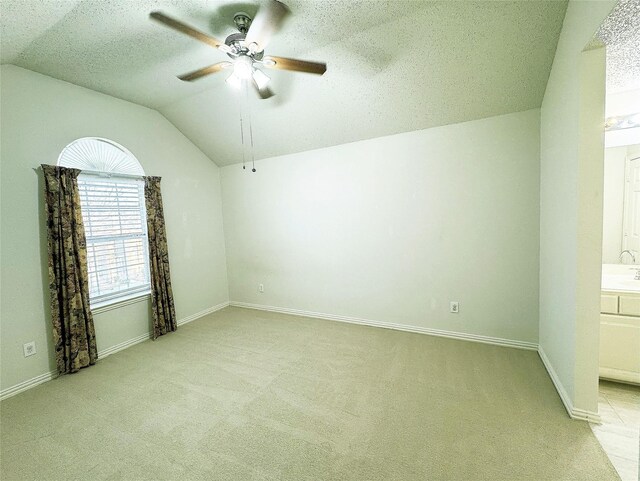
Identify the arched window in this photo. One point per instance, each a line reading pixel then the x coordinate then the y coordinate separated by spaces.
pixel 115 222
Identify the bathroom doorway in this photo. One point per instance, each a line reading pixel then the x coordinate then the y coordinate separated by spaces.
pixel 619 353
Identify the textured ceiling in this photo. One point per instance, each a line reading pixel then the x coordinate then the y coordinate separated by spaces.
pixel 620 32
pixel 393 66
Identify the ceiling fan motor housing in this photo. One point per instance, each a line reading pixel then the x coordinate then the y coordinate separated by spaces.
pixel 236 42
pixel 242 21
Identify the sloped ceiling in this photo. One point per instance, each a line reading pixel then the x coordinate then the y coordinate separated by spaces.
pixel 393 66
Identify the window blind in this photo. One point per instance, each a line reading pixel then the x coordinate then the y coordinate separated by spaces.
pixel 115 226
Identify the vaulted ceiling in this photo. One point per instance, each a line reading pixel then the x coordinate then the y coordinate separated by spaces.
pixel 393 66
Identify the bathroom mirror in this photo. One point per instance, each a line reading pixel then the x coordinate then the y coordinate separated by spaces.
pixel 621 220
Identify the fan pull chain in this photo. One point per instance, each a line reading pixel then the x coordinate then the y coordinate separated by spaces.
pixel 253 159
pixel 246 96
pixel 242 140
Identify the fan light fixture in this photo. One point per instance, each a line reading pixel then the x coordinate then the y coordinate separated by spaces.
pixel 234 81
pixel 261 79
pixel 243 67
pixel 243 70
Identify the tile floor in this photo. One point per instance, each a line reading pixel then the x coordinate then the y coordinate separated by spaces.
pixel 619 433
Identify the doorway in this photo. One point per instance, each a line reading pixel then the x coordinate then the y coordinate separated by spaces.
pixel 619 345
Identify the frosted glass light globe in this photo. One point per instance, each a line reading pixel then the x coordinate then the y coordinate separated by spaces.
pixel 243 68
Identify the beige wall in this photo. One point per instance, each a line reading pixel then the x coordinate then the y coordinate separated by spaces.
pixel 40 116
pixel 392 229
pixel 571 205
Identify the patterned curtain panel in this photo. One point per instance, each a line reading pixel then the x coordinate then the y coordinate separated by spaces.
pixel 164 312
pixel 73 332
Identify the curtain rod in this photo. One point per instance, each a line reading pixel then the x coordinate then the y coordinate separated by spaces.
pixel 99 173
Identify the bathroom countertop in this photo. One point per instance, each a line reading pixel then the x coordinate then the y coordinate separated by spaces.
pixel 620 278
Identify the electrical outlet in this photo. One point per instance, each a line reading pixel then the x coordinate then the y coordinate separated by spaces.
pixel 29 348
pixel 261 287
pixel 454 307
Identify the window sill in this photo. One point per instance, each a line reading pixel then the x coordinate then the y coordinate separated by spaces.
pixel 119 302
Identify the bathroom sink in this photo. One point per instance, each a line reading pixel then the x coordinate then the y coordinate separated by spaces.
pixel 620 277
pixel 615 283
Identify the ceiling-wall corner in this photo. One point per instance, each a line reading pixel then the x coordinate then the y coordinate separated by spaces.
pixel 187 137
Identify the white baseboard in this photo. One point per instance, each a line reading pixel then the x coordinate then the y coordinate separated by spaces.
pixel 200 314
pixel 620 375
pixel 28 384
pixel 389 325
pixel 123 345
pixel 574 413
pixel 48 376
pixel 136 340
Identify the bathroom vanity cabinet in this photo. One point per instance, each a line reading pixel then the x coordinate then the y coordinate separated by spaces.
pixel 620 336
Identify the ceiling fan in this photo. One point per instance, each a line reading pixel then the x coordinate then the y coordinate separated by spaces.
pixel 246 48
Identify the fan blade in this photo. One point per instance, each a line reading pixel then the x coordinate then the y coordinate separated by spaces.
pixel 295 65
pixel 196 74
pixel 268 20
pixel 181 27
pixel 264 92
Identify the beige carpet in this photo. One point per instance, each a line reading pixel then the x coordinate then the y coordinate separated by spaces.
pixel 246 395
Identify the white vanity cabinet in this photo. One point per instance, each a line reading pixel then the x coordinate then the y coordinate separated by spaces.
pixel 620 336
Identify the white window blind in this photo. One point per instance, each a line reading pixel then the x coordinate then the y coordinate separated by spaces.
pixel 115 226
